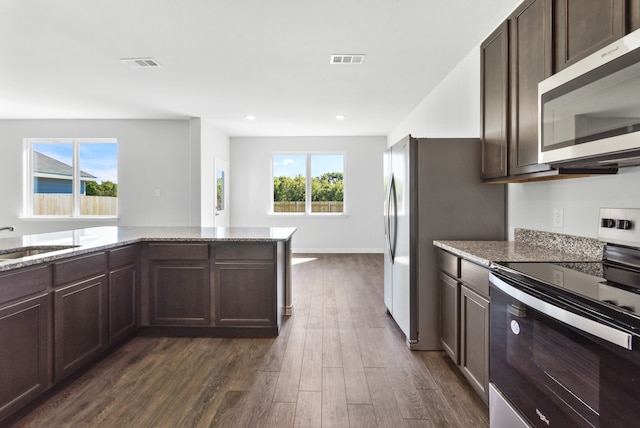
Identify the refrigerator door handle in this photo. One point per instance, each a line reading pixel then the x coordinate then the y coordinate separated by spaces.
pixel 387 219
pixel 393 229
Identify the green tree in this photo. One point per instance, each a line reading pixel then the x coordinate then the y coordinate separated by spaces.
pixel 289 189
pixel 328 187
pixel 106 188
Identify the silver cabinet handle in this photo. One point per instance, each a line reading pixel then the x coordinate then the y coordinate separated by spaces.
pixel 604 332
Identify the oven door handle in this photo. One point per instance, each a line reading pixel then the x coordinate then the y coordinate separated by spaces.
pixel 604 332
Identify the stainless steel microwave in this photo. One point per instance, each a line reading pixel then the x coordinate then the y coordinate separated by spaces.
pixel 589 113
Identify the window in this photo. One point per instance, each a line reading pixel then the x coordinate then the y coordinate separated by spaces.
pixel 71 177
pixel 220 196
pixel 320 175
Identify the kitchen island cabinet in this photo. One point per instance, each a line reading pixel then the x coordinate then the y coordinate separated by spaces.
pixel 80 330
pixel 24 337
pixel 245 284
pixel 123 292
pixel 179 284
pixel 86 290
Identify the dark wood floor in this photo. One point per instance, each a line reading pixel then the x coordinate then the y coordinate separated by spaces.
pixel 339 361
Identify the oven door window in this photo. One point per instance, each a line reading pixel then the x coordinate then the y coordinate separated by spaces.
pixel 556 376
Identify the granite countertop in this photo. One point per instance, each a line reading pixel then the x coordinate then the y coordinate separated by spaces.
pixel 81 241
pixel 528 246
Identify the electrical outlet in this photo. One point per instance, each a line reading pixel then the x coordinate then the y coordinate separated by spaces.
pixel 558 277
pixel 558 217
pixel 157 193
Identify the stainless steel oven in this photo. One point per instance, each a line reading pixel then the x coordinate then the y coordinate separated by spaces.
pixel 565 339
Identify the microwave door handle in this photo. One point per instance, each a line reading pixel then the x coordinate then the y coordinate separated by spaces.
pixel 604 332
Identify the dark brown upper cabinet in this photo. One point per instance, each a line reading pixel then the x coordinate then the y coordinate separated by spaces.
pixel 540 37
pixel 584 26
pixel 494 89
pixel 530 63
pixel 633 16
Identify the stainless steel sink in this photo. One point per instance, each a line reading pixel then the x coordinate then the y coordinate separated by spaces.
pixel 32 251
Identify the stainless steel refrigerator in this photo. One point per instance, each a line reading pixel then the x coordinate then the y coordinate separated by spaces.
pixel 432 191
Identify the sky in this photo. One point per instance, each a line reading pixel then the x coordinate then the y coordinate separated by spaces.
pixel 290 165
pixel 98 159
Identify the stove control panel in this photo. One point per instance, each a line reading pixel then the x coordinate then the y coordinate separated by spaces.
pixel 620 226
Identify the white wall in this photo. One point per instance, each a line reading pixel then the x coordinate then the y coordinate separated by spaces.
pixel 214 144
pixel 530 205
pixel 452 109
pixel 152 154
pixel 359 231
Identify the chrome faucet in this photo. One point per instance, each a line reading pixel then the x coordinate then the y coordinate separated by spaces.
pixel 9 228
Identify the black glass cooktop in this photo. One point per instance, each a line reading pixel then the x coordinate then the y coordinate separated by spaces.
pixel 610 287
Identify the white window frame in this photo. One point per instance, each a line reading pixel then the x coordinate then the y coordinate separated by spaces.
pixel 29 174
pixel 307 204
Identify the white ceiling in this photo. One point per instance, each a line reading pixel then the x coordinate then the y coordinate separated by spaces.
pixel 225 59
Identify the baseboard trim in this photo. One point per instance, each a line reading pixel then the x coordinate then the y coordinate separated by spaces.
pixel 337 250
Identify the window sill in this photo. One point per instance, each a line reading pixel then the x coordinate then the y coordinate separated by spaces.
pixel 110 219
pixel 310 215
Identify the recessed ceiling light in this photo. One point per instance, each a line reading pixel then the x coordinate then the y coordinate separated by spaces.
pixel 347 59
pixel 339 117
pixel 141 62
pixel 249 117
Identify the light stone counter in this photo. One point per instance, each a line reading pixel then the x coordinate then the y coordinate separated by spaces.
pixel 528 246
pixel 102 238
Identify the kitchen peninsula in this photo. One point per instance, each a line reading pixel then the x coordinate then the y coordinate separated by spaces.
pixel 67 297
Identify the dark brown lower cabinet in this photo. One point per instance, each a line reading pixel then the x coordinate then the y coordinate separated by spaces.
pixel 122 302
pixel 24 352
pixel 474 340
pixel 449 316
pixel 80 324
pixel 245 294
pixel 180 293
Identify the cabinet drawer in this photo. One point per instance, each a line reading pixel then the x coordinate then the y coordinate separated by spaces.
pixel 78 268
pixel 474 276
pixel 24 282
pixel 123 256
pixel 179 251
pixel 449 263
pixel 245 251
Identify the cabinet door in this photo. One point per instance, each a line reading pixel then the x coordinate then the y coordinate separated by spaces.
pixel 530 62
pixel 24 352
pixel 633 16
pixel 245 294
pixel 122 302
pixel 474 340
pixel 80 328
pixel 584 26
pixel 449 315
pixel 494 103
pixel 180 293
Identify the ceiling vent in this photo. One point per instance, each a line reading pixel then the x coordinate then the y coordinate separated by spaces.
pixel 347 59
pixel 141 62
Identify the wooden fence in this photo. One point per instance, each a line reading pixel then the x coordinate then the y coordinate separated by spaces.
pixel 316 207
pixel 60 204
